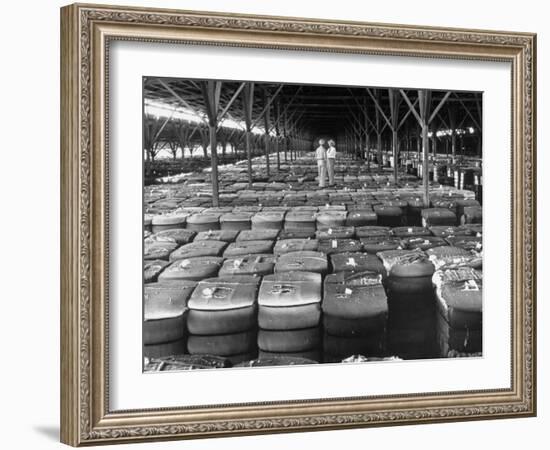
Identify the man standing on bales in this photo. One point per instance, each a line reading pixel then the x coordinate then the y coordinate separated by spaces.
pixel 321 157
pixel 331 158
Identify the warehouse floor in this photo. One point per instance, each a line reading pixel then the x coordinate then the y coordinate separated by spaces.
pixel 299 274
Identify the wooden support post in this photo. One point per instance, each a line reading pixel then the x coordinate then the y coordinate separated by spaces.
pixel 290 147
pixel 278 150
pixel 249 156
pixel 266 126
pixel 367 149
pixel 211 92
pixel 434 143
pixel 248 97
pixel 359 140
pixel 366 130
pixel 418 144
pixel 424 103
pixel 277 140
pixel 290 144
pixel 424 119
pixel 408 141
pixel 353 143
pixel 379 149
pixel 378 135
pixel 214 157
pixel 479 130
pixel 379 129
pixel 297 132
pixel 453 144
pixel 285 137
pixel 394 147
pixel 394 109
pixel 425 166
pixel 452 126
pixel 286 147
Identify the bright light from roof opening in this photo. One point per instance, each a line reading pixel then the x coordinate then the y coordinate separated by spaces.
pixel 449 132
pixel 161 110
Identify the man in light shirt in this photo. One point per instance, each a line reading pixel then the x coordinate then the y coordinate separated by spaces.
pixel 331 158
pixel 321 157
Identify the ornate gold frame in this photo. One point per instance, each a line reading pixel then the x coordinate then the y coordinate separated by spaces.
pixel 85 33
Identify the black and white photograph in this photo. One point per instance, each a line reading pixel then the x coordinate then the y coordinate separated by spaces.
pixel 296 224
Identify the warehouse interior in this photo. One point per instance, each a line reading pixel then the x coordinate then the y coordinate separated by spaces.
pixel 250 259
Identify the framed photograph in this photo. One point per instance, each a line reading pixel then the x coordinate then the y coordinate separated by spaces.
pixel 276 224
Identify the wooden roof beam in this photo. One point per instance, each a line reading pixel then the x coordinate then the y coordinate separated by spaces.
pixel 439 106
pixel 184 102
pixel 476 123
pixel 235 95
pixel 379 108
pixel 272 98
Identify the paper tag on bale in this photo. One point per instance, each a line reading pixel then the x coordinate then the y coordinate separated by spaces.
pixel 348 291
pixel 470 285
pixel 334 243
pixel 351 262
